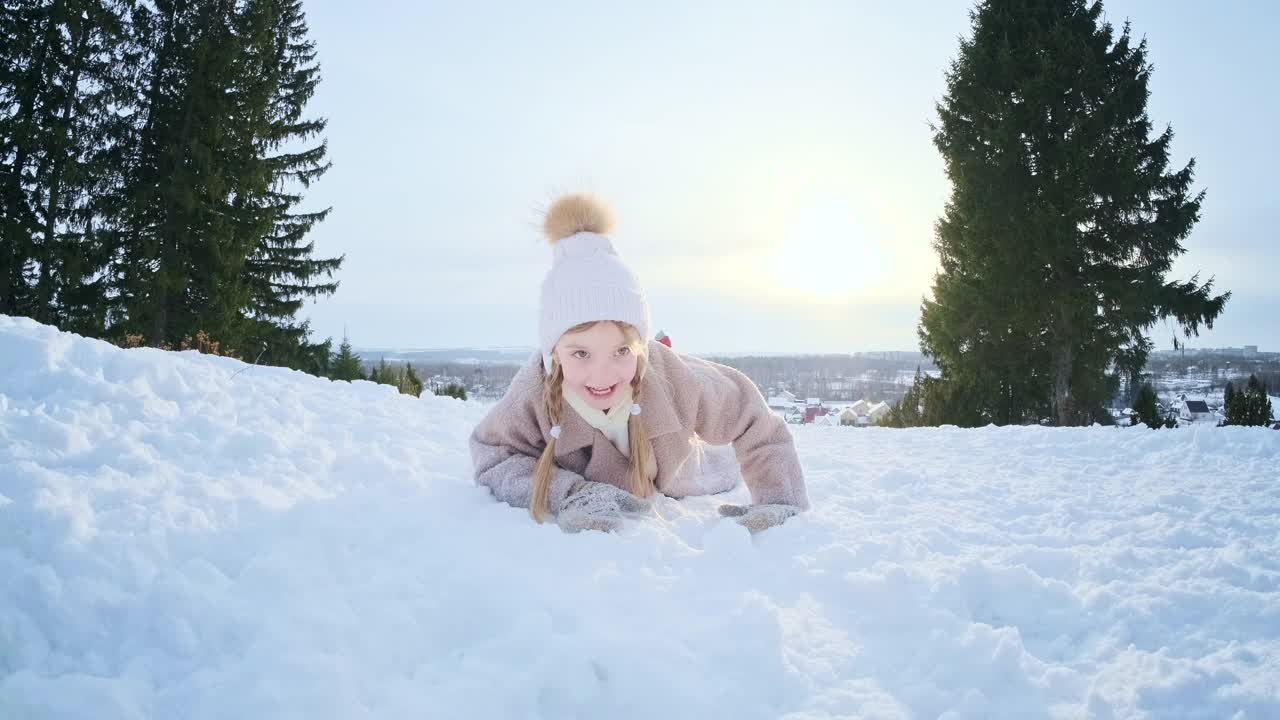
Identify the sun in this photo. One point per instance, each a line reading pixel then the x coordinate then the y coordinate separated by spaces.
pixel 828 253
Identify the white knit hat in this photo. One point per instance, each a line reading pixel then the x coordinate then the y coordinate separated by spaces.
pixel 587 280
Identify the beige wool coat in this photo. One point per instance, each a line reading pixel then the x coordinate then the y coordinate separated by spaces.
pixel 686 403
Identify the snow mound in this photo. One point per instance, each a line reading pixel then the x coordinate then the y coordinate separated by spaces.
pixel 187 536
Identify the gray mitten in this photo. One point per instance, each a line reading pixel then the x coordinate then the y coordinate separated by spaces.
pixel 758 517
pixel 597 506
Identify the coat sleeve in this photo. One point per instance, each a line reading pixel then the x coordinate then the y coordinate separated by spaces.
pixel 731 410
pixel 506 445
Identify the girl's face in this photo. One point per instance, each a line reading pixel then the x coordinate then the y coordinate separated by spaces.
pixel 597 363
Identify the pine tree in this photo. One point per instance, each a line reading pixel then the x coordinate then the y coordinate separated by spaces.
pixel 1266 413
pixel 69 64
pixel 25 30
pixel 152 160
pixel 213 241
pixel 346 364
pixel 382 373
pixel 412 383
pixel 85 132
pixel 281 272
pixel 1248 407
pixel 1249 404
pixel 1146 407
pixel 1257 404
pixel 1063 220
pixel 453 390
pixel 180 250
pixel 930 402
pixel 907 412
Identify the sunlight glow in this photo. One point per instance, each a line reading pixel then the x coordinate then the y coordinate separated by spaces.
pixel 829 254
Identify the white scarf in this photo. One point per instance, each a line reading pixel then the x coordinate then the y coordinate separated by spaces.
pixel 613 423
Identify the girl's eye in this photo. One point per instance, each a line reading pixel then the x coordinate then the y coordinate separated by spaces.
pixel 624 351
pixel 580 354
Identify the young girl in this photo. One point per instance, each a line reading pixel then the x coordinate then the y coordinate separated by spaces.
pixel 601 418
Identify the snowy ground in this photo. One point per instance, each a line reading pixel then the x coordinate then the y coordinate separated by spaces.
pixel 184 538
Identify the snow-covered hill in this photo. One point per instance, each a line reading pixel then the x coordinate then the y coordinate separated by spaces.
pixel 183 536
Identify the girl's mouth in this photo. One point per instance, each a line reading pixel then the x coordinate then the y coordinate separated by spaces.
pixel 601 393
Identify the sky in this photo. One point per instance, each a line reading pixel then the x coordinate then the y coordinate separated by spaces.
pixel 770 165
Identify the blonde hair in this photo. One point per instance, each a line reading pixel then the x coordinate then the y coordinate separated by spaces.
pixel 638 439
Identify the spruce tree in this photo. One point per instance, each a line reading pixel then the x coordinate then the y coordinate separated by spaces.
pixel 1146 408
pixel 180 250
pixel 90 134
pixel 25 36
pixel 153 158
pixel 412 383
pixel 907 411
pixel 1257 404
pixel 382 374
pixel 1063 222
pixel 1248 407
pixel 346 364
pixel 453 390
pixel 67 71
pixel 281 272
pixel 213 240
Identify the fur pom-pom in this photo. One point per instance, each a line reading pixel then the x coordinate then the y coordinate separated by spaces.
pixel 574 214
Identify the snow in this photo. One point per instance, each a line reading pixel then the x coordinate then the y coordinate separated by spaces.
pixel 186 536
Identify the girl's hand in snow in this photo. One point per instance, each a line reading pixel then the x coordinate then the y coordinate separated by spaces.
pixel 758 517
pixel 598 506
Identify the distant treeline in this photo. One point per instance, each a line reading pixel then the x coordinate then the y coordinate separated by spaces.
pixel 874 377
pixel 830 377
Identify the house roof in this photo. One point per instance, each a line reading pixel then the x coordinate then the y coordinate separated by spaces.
pixel 1197 406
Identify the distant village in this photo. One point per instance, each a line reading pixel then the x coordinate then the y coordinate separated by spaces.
pixel 1187 411
pixel 1190 383
pixel 860 413
pixel 858 390
pixel 852 390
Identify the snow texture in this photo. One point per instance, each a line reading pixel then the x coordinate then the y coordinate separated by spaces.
pixel 185 536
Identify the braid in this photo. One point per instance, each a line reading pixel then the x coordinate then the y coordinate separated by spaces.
pixel 637 438
pixel 551 400
pixel 552 393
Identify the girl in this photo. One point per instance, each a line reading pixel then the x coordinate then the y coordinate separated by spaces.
pixel 600 419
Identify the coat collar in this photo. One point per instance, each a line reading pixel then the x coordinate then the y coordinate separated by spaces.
pixel 657 395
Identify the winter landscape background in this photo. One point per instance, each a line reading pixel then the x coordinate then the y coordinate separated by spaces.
pixel 213 506
pixel 838 380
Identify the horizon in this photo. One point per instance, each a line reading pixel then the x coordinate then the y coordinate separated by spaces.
pixel 763 353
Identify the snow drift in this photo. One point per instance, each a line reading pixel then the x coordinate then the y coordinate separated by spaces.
pixel 187 536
